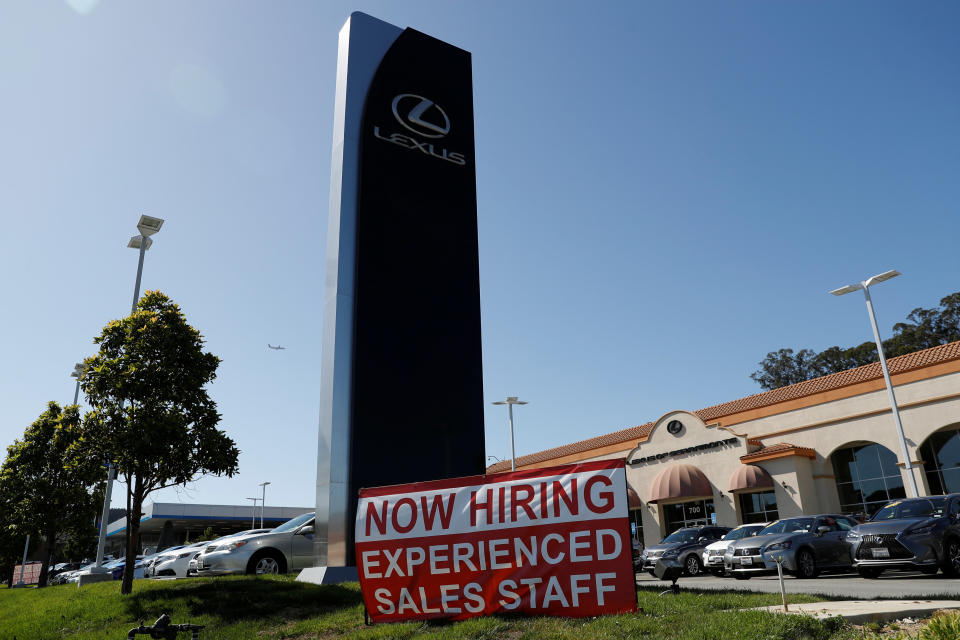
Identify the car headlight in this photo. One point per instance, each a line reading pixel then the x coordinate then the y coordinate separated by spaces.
pixel 853 533
pixel 232 545
pixel 922 531
pixel 776 546
pixel 184 555
pixel 671 553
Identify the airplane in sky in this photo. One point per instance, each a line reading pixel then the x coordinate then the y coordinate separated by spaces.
pixel 276 348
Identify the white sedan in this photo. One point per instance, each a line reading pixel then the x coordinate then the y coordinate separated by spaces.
pixel 174 564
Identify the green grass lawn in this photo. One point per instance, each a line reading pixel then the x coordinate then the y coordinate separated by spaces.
pixel 278 607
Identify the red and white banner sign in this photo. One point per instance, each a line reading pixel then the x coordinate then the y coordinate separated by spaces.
pixel 540 542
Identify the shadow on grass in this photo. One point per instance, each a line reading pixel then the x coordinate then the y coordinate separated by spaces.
pixel 235 600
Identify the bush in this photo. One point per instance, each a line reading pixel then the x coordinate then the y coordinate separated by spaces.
pixel 943 626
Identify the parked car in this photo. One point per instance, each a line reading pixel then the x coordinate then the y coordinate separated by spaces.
pixel 195 562
pixel 807 545
pixel 713 553
pixel 683 546
pixel 289 547
pixel 637 553
pixel 919 533
pixel 174 563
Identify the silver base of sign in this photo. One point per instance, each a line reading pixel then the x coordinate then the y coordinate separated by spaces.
pixel 328 575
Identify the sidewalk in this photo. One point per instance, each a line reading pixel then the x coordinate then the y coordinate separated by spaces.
pixel 860 611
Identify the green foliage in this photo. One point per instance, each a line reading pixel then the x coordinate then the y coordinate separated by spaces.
pixel 48 479
pixel 945 626
pixel 152 415
pixel 924 328
pixel 275 607
pixel 207 535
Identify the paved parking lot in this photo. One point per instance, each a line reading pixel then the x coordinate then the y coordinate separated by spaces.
pixel 892 584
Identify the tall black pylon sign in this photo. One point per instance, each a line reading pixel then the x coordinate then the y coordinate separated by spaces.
pixel 401 371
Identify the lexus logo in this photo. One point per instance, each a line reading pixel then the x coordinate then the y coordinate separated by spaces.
pixel 420 115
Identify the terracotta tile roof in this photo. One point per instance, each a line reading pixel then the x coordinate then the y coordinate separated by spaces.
pixel 900 364
pixel 632 434
pixel 778 450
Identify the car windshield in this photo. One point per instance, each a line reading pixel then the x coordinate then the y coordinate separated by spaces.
pixel 789 525
pixel 919 508
pixel 682 536
pixel 290 525
pixel 741 532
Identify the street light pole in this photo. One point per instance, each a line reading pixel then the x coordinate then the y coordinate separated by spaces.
pixel 510 401
pixel 865 285
pixel 263 502
pixel 147 226
pixel 77 372
pixel 253 513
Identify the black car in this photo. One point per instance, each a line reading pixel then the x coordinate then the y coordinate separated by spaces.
pixel 917 533
pixel 683 546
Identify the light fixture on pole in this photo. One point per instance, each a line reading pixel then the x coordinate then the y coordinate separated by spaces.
pixel 510 401
pixel 147 226
pixel 253 513
pixel 865 286
pixel 77 372
pixel 263 501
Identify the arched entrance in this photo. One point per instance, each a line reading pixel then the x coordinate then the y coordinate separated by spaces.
pixel 867 477
pixel 941 456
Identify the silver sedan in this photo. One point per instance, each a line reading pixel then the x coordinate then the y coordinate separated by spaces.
pixel 289 547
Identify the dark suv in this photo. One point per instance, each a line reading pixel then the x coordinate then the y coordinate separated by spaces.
pixel 684 547
pixel 916 533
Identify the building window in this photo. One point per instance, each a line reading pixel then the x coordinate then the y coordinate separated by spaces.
pixel 867 478
pixel 941 456
pixel 697 513
pixel 760 506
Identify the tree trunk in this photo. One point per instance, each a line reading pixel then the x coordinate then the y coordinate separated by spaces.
pixel 133 538
pixel 47 557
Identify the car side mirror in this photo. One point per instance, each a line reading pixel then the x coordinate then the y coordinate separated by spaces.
pixel 305 531
pixel 822 530
pixel 703 539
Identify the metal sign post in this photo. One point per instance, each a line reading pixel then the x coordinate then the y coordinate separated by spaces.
pixel 783 589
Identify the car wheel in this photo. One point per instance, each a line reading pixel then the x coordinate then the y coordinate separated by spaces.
pixel 692 565
pixel 951 560
pixel 806 565
pixel 869 572
pixel 741 576
pixel 268 562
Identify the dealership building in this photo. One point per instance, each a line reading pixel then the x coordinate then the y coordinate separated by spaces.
pixel 165 524
pixel 824 445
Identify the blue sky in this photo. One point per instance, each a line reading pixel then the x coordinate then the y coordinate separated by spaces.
pixel 667 191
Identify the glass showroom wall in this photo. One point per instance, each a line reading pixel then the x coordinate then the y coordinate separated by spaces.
pixel 941 456
pixel 759 506
pixel 867 477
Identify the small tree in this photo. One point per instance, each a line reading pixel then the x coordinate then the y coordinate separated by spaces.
pixel 50 476
pixel 152 415
pixel 784 367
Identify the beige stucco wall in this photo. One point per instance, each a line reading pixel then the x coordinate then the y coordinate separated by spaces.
pixel 802 485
